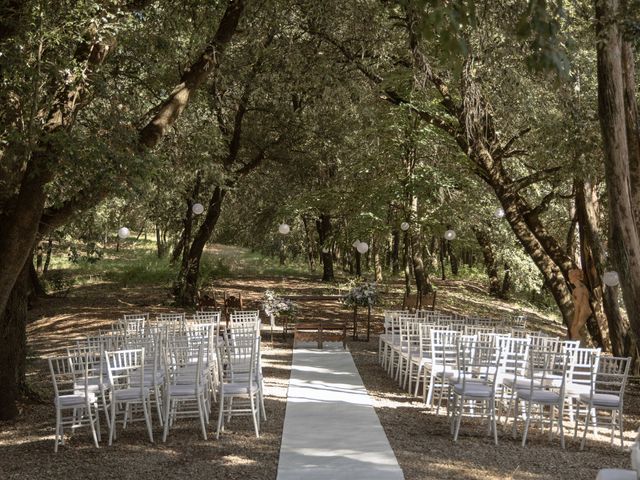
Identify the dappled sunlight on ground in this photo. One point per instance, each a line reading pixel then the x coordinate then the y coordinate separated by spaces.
pixel 420 439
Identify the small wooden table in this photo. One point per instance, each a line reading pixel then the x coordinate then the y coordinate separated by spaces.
pixel 321 331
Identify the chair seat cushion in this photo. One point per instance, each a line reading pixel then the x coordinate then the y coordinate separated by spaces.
pixel 238 388
pixel 473 389
pixel 601 399
pixel 76 400
pixel 539 396
pixel 185 390
pixel 576 389
pixel 519 382
pixel 130 393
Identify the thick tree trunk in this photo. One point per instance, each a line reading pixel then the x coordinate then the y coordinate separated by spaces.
pixel 323 227
pixel 619 140
pixel 490 262
pixel 593 262
pixel 13 345
pixel 169 111
pixel 187 287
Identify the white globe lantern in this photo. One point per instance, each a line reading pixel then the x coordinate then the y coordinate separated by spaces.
pixel 404 226
pixel 326 250
pixel 611 278
pixel 499 213
pixel 124 232
pixel 362 247
pixel 450 235
pixel 284 229
pixel 197 208
pixel 355 244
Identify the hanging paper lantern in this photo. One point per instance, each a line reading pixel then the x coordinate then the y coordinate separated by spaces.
pixel 355 244
pixel 500 213
pixel 611 278
pixel 450 235
pixel 197 208
pixel 362 247
pixel 284 229
pixel 123 232
pixel 404 226
pixel 326 250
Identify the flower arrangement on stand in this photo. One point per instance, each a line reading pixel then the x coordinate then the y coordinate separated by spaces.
pixel 275 306
pixel 361 294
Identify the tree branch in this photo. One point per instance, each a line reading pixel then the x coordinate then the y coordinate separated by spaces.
pixel 535 177
pixel 503 150
pixel 192 77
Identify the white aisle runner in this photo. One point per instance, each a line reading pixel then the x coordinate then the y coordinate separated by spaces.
pixel 331 431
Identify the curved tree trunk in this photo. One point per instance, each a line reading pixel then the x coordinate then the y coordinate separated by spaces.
pixel 187 286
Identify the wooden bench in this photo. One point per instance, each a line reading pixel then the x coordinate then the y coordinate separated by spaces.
pixel 321 331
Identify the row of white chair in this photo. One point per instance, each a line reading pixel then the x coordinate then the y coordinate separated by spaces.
pixel 180 371
pixel 418 350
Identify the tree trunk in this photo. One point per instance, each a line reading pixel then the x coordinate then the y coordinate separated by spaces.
pixel 47 259
pixel 161 244
pixel 311 253
pixel 441 254
pixel 490 262
pixel 358 262
pixel 593 262
pixel 395 253
pixel 619 142
pixel 377 263
pixel 505 292
pixel 323 227
pixel 187 287
pixel 405 263
pixel 13 345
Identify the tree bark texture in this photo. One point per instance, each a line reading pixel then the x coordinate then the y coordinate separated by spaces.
pixel 193 77
pixel 593 262
pixel 13 345
pixel 188 286
pixel 616 108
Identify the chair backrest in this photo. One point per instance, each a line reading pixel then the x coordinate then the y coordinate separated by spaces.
pixel 519 321
pixel 172 323
pixel 612 375
pixel 134 323
pixel 477 361
pixel 583 365
pixel 126 368
pixel 477 329
pixel 547 369
pixel 443 347
pixel 206 316
pixel 69 373
pixel 388 315
pixel 515 353
pixel 244 317
pixel 241 358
